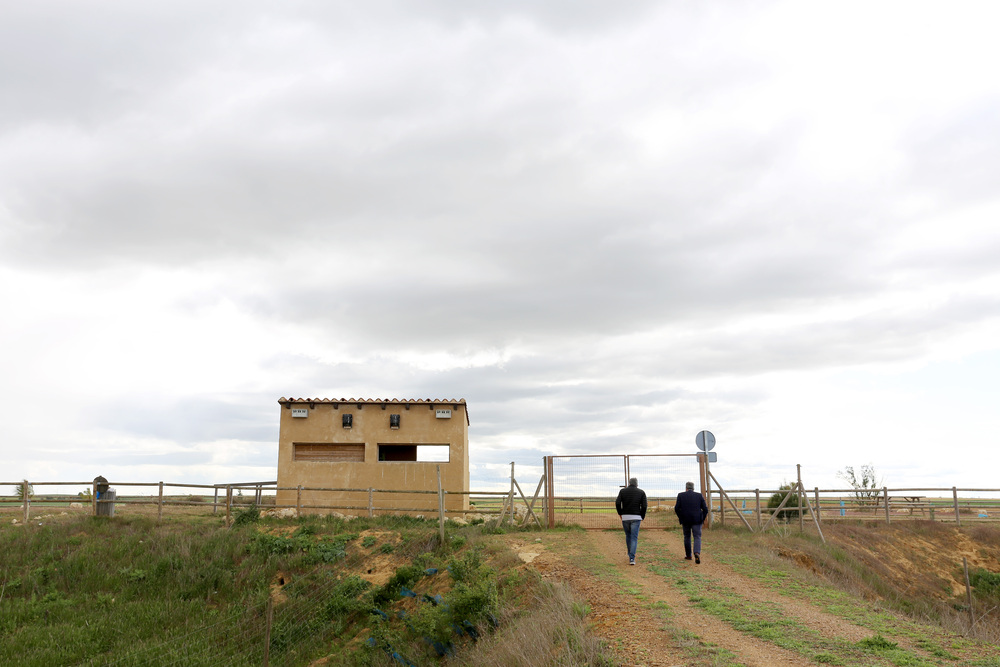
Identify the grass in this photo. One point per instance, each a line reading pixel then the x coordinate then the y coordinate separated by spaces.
pixel 859 561
pixel 131 591
pixel 862 590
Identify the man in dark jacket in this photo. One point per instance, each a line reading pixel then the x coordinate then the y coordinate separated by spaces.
pixel 691 511
pixel 631 506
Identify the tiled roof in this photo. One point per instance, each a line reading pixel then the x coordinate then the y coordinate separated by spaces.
pixel 288 402
pixel 460 401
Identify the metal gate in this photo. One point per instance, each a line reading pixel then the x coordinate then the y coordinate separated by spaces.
pixel 582 489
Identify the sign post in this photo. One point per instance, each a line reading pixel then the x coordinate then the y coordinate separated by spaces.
pixel 705 441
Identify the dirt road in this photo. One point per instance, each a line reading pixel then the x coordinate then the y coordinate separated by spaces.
pixel 649 620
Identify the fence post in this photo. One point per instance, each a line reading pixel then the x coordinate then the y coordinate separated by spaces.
pixel 25 499
pixel 954 495
pixel 215 501
pixel 440 505
pixel 798 497
pixel 550 493
pixel 885 501
pixel 159 505
pixel 819 512
pixel 513 517
pixel 757 494
pixel 93 497
pixel 371 502
pixel 229 504
pixel 968 593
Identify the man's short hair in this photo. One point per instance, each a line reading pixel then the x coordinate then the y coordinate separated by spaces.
pixel 689 486
pixel 632 481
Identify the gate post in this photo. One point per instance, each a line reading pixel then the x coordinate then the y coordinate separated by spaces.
pixel 703 477
pixel 550 493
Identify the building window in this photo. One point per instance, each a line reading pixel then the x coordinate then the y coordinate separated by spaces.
pixel 419 453
pixel 328 452
pixel 393 421
pixel 347 421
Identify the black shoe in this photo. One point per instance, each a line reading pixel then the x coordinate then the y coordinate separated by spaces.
pixel 697 558
pixel 687 557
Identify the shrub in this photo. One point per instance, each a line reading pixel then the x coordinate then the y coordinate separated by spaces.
pixel 791 508
pixel 247 516
pixel 985 582
pixel 404 576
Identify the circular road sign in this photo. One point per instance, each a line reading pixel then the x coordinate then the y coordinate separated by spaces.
pixel 705 440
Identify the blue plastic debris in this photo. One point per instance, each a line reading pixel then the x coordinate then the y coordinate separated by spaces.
pixel 431 570
pixel 443 649
pixel 406 592
pixel 400 659
pixel 436 600
pixel 379 612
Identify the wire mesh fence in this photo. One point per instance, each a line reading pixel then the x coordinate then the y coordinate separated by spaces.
pixel 584 488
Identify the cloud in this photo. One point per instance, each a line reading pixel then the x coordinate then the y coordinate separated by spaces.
pixel 603 228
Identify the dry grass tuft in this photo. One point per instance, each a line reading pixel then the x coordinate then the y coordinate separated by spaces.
pixel 552 632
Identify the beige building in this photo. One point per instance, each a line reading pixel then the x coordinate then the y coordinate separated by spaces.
pixel 381 444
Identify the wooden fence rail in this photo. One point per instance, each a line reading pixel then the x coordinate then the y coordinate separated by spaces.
pixel 951 504
pixel 260 494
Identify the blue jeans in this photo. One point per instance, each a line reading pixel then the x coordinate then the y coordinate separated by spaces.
pixel 631 529
pixel 689 530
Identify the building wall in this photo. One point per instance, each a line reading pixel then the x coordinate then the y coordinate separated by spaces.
pixel 322 427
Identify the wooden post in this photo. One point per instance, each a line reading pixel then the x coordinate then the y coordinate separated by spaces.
pixel 25 499
pixel 531 505
pixel 798 497
pixel 802 494
pixel 706 491
pixel 968 593
pixel 757 493
pixel 269 616
pixel 885 501
pixel 229 504
pixel 215 501
pixel 159 505
pixel 722 511
pixel 513 516
pixel 371 502
pixel 954 494
pixel 440 506
pixel 819 511
pixel 93 497
pixel 550 500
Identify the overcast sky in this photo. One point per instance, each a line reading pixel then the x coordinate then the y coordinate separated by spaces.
pixel 606 226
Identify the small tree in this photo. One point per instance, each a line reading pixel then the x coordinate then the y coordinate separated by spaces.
pixel 866 482
pixel 791 509
pixel 19 491
pixel 85 494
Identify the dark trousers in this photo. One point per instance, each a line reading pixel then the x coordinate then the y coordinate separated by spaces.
pixel 689 530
